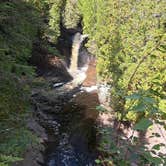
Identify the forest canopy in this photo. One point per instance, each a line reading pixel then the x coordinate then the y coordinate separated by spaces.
pixel 127 37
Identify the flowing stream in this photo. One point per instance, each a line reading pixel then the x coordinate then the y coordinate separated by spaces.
pixel 75 144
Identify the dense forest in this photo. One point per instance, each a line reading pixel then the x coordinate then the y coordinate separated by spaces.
pixel 128 40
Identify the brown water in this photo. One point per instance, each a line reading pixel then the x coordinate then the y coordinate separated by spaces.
pixel 75 145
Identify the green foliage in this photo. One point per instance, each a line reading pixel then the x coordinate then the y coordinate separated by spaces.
pixel 41 5
pixel 71 16
pixel 12 97
pixel 19 27
pixel 13 144
pixel 98 161
pixel 6 160
pixel 55 13
pixel 121 151
pixel 140 104
pixel 101 109
pixel 151 159
pixel 16 140
pixel 143 124
pixel 88 12
pixel 51 12
pixel 129 40
pixel 17 31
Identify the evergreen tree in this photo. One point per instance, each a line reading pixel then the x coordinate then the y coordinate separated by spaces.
pixel 71 15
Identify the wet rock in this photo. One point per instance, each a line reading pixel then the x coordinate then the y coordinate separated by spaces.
pixel 54 126
pixel 44 107
pixel 36 128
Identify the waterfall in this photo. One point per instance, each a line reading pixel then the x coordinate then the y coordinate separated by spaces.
pixel 77 41
pixel 75 52
pixel 77 71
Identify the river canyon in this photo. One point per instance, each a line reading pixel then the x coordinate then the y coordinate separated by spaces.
pixel 68 111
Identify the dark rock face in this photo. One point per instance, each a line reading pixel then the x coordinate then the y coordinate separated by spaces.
pixel 70 127
pixel 49 65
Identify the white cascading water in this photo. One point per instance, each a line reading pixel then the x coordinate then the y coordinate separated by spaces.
pixel 75 53
pixel 79 74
